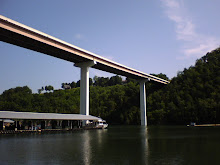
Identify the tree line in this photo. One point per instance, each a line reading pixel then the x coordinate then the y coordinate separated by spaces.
pixel 192 96
pixel 46 88
pixel 96 81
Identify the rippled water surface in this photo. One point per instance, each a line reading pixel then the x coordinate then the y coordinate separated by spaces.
pixel 121 145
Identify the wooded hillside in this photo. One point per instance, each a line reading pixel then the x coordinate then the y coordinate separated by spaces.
pixel 192 96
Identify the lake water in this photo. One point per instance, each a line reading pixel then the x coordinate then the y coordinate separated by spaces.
pixel 117 145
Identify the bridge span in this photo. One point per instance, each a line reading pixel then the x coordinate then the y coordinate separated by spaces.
pixel 21 35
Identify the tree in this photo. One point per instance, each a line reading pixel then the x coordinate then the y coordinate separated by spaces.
pixel 39 91
pixel 90 82
pixel 115 80
pixel 49 88
pixel 101 81
pixel 78 83
pixel 73 84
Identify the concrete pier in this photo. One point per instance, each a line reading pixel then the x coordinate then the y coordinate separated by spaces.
pixel 84 87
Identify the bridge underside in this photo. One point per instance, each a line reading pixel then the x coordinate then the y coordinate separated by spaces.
pixel 18 34
pixel 32 44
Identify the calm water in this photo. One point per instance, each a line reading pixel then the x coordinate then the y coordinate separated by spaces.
pixel 122 145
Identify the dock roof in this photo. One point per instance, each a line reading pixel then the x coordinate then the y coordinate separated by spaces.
pixel 44 116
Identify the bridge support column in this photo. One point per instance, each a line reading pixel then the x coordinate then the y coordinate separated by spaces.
pixel 143 105
pixel 84 87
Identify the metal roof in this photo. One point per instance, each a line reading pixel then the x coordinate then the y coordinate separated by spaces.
pixel 45 116
pixel 7 120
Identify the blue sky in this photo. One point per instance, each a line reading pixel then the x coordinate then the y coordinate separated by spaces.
pixel 153 36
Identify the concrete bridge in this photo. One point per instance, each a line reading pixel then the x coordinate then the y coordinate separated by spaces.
pixel 21 35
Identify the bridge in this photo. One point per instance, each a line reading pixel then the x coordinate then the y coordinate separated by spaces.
pixel 21 35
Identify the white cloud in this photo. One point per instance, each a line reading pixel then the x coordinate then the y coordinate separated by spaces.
pixel 171 4
pixel 185 29
pixel 202 47
pixel 194 43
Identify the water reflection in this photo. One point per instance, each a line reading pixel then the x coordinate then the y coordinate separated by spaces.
pixel 93 146
pixel 86 147
pixel 144 145
pixel 100 135
pixel 118 145
pixel 122 145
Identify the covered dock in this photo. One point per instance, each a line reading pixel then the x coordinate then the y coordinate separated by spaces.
pixel 41 121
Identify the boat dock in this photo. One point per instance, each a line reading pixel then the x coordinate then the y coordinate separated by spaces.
pixel 204 125
pixel 207 125
pixel 32 122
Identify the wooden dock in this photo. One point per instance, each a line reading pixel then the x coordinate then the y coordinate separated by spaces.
pixel 204 125
pixel 207 125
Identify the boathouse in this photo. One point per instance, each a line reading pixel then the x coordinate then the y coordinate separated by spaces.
pixel 39 121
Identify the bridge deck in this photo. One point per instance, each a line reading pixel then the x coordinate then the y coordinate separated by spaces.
pixel 21 35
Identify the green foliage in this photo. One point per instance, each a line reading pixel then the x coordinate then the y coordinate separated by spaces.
pixel 192 96
pixel 117 104
pixel 16 99
pixel 105 81
pixel 49 88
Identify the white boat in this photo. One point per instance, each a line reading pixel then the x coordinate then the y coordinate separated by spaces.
pixel 101 124
pixel 192 124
